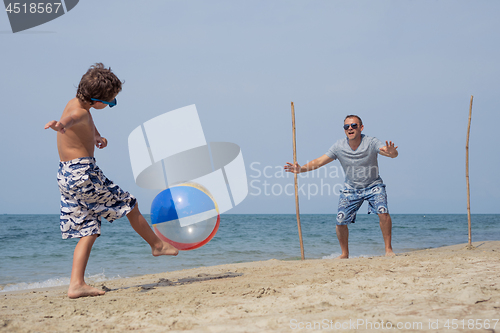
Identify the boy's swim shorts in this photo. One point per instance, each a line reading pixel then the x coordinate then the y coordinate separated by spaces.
pixel 86 196
pixel 351 199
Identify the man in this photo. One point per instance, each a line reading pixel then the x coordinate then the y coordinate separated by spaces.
pixel 358 156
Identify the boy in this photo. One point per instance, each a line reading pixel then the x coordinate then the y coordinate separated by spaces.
pixel 86 194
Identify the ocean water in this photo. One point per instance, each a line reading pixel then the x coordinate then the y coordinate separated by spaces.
pixel 33 255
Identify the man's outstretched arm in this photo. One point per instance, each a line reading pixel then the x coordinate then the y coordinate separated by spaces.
pixel 389 150
pixel 314 164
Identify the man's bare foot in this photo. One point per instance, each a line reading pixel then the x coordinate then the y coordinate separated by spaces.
pixel 84 291
pixel 165 249
pixel 389 253
pixel 343 256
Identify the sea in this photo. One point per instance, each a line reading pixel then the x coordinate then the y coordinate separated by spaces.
pixel 33 254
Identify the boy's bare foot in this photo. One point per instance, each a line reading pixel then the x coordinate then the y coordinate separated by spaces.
pixel 343 256
pixel 165 249
pixel 84 291
pixel 389 253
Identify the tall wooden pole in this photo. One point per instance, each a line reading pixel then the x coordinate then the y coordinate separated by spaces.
pixel 296 185
pixel 467 172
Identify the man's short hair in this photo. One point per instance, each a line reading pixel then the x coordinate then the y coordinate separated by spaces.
pixel 354 116
pixel 100 83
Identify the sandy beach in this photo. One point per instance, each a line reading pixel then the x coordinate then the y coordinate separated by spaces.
pixel 446 289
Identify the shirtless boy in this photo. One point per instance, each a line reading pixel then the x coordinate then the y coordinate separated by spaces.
pixel 86 194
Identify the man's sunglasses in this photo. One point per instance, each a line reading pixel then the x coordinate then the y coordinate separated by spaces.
pixel 111 104
pixel 353 125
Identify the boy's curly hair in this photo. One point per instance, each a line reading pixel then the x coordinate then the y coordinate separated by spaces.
pixel 100 83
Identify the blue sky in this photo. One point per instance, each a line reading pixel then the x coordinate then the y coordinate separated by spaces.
pixel 408 68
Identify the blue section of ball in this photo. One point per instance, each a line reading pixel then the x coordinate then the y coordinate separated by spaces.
pixel 185 215
pixel 180 201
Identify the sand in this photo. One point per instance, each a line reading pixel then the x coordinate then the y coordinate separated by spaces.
pixel 422 291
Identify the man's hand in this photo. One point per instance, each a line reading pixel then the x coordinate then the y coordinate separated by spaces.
pixel 100 142
pixel 56 126
pixel 293 168
pixel 389 150
pixel 313 165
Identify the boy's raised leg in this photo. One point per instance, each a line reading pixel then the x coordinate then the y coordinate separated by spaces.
pixel 77 285
pixel 141 226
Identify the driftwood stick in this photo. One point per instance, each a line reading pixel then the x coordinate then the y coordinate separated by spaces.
pixel 296 185
pixel 467 173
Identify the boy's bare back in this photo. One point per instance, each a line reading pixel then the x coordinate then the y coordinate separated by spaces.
pixel 76 132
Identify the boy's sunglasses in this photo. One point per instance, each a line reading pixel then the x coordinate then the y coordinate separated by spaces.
pixel 353 125
pixel 111 104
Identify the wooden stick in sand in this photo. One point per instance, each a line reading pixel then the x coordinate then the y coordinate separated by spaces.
pixel 296 185
pixel 467 173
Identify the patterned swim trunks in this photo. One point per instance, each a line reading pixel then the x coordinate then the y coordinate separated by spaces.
pixel 86 196
pixel 351 199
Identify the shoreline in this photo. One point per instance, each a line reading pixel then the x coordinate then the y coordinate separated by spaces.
pixel 425 286
pixel 26 285
pixel 330 257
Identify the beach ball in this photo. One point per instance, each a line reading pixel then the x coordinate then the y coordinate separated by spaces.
pixel 185 215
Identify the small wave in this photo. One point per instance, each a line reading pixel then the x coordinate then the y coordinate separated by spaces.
pixel 336 254
pixel 331 256
pixel 34 285
pixel 55 282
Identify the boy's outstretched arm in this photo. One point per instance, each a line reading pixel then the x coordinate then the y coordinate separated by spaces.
pixel 56 126
pixel 66 122
pixel 389 150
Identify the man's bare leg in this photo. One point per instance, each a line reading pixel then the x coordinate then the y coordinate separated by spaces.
pixel 343 236
pixel 141 226
pixel 77 285
pixel 386 227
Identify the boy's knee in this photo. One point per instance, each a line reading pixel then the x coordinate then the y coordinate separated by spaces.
pixel 134 210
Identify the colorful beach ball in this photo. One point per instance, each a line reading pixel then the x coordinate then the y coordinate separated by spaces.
pixel 185 215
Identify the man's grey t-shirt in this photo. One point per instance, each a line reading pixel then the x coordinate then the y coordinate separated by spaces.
pixel 360 165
